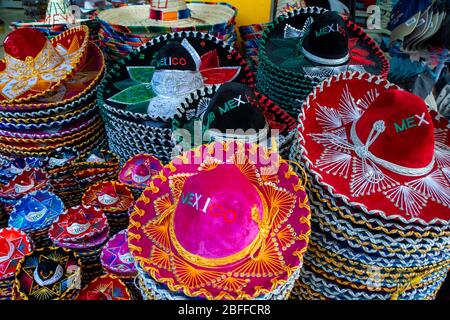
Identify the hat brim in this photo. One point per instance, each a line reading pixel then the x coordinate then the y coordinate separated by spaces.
pixel 248 278
pixel 109 285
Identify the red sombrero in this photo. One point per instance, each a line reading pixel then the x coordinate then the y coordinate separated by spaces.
pixel 378 148
pixel 78 224
pixel 33 68
pixel 106 287
pixel 29 180
pixel 110 196
pixel 223 221
pixel 14 245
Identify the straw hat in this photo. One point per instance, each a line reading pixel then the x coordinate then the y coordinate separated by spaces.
pixel 170 14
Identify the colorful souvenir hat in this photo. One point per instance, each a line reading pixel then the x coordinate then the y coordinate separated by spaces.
pixel 128 27
pixel 292 60
pixel 106 287
pixel 232 106
pixel 116 257
pixel 48 274
pixel 109 196
pixel 376 169
pixel 78 224
pixel 75 91
pixel 12 168
pixel 138 171
pixel 126 90
pixel 256 222
pixel 14 245
pixel 66 52
pixel 36 211
pixel 284 6
pixel 29 180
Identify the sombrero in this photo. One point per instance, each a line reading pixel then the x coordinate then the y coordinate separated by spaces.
pixel 138 171
pixel 116 257
pixel 29 180
pixel 105 287
pixel 40 66
pixel 36 211
pixel 75 92
pixel 78 224
pixel 232 111
pixel 109 196
pixel 240 239
pixel 386 177
pixel 12 168
pixel 48 274
pixel 14 246
pixel 124 95
pixel 379 230
pixel 126 28
pixel 293 60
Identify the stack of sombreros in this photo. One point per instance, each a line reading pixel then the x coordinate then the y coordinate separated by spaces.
pixel 126 28
pixel 232 111
pixel 138 171
pixel 378 166
pixel 84 230
pixel 34 214
pixel 114 199
pixel 14 245
pixel 59 17
pixel 242 238
pixel 50 273
pixel 295 54
pixel 251 35
pixel 31 179
pixel 118 261
pixel 59 166
pixel 105 287
pixel 97 166
pixel 140 95
pixel 47 93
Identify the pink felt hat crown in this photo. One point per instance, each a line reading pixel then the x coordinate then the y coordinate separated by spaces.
pixel 222 228
pixel 377 148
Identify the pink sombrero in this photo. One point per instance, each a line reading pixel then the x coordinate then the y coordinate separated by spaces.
pixel 138 171
pixel 378 148
pixel 32 69
pixel 223 221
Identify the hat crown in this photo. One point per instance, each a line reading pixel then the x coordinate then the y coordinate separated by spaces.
pixel 168 5
pixel 47 268
pixel 174 56
pixel 18 45
pixel 5 247
pixel 406 131
pixel 328 28
pixel 234 106
pixel 141 170
pixel 214 218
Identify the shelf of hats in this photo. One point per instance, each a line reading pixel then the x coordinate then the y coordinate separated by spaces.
pixel 233 149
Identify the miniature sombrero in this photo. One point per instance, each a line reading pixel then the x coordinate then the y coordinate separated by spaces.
pixel 106 287
pixel 78 224
pixel 12 168
pixel 14 245
pixel 240 239
pixel 138 171
pixel 299 43
pixel 48 274
pixel 109 196
pixel 29 180
pixel 36 211
pixel 116 257
pixel 34 69
pixel 358 146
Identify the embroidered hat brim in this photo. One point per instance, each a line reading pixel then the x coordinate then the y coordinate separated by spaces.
pixel 105 287
pixel 247 278
pixel 340 100
pixel 71 45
